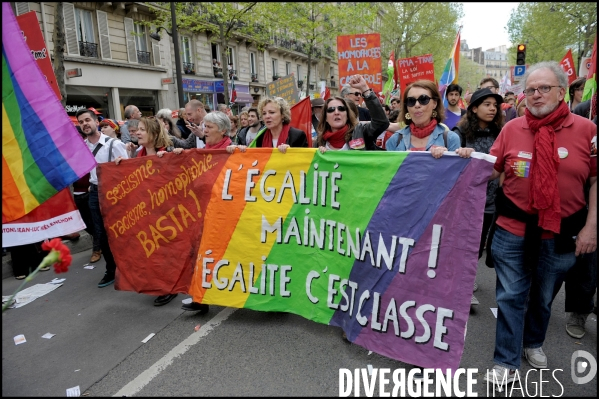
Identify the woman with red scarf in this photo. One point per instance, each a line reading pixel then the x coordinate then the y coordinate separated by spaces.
pixel 341 130
pixel 216 130
pixel 423 112
pixel 277 132
pixel 154 140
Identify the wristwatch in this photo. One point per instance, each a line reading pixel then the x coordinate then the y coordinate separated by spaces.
pixel 369 91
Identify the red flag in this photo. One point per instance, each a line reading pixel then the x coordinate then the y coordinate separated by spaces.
pixel 327 94
pixel 567 64
pixel 301 117
pixel 395 73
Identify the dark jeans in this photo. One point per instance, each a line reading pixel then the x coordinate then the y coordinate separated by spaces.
pixel 581 283
pixel 82 203
pixel 487 220
pixel 94 207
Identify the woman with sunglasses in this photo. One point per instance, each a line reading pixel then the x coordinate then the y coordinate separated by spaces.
pixel 154 140
pixel 277 132
pixel 341 130
pixel 422 111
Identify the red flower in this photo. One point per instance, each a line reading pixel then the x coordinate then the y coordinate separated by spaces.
pixel 63 257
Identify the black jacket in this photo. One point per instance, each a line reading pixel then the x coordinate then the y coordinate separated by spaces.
pixel 242 134
pixel 296 138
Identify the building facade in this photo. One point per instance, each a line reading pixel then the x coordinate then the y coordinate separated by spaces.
pixel 121 64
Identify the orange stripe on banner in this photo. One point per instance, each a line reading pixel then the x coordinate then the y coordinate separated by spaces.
pixel 225 217
pixel 11 198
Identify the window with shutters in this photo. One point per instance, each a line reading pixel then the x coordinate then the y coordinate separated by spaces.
pixel 84 28
pixel 104 34
pixel 130 40
pixel 188 65
pixel 253 69
pixel 21 8
pixel 141 44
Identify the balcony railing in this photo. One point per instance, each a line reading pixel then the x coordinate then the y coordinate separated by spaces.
pixel 233 74
pixel 255 77
pixel 275 77
pixel 218 72
pixel 188 68
pixel 143 57
pixel 333 83
pixel 300 84
pixel 87 49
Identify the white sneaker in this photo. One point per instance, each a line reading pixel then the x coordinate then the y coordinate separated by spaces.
pixel 536 357
pixel 500 377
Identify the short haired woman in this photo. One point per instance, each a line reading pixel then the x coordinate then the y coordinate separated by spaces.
pixel 216 130
pixel 111 128
pixel 277 132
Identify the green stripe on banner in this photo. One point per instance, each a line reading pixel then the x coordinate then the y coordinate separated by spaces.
pixel 356 207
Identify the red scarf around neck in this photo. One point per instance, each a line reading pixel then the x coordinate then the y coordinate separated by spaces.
pixel 422 132
pixel 221 144
pixel 267 137
pixel 143 152
pixel 336 139
pixel 544 192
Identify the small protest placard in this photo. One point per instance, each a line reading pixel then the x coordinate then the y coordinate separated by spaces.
pixel 285 87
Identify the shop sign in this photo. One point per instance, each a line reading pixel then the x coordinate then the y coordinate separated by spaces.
pixel 73 73
pixel 197 86
pixel 168 81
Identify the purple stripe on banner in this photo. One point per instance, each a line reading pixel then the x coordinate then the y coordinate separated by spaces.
pixel 448 290
pixel 41 96
pixel 410 202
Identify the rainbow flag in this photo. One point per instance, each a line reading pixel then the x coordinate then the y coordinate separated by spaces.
pixel 452 67
pixel 42 151
pixel 318 235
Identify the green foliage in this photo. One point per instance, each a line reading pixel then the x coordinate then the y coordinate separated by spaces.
pixel 551 28
pixel 412 29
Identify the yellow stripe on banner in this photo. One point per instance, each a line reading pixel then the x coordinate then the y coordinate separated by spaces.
pixel 14 159
pixel 243 246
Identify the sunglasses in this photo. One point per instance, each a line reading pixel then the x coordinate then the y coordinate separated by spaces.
pixel 340 108
pixel 423 100
pixel 357 93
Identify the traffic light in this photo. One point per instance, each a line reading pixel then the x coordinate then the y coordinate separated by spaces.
pixel 521 54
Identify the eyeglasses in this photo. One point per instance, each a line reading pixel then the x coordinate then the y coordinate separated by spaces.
pixel 340 108
pixel 357 94
pixel 541 89
pixel 423 100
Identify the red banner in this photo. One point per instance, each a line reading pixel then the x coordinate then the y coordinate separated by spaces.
pixel 301 118
pixel 360 55
pixel 567 64
pixel 34 39
pixel 415 68
pixel 166 218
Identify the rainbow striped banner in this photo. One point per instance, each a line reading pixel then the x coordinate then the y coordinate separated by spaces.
pixel 42 152
pixel 382 244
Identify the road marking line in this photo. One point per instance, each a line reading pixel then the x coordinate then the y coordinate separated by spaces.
pixel 147 376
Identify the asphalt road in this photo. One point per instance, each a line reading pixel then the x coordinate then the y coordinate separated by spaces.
pixel 236 352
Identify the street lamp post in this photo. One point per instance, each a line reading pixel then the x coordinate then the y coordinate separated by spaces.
pixel 175 37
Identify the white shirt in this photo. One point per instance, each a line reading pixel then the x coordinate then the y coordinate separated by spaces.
pixel 118 150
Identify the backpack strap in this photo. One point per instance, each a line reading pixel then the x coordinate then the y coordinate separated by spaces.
pixel 110 150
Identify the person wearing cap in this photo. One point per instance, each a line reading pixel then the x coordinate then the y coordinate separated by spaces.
pixel 110 128
pixel 544 222
pixel 317 111
pixel 478 129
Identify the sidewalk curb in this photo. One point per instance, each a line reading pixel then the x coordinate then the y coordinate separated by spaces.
pixel 84 243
